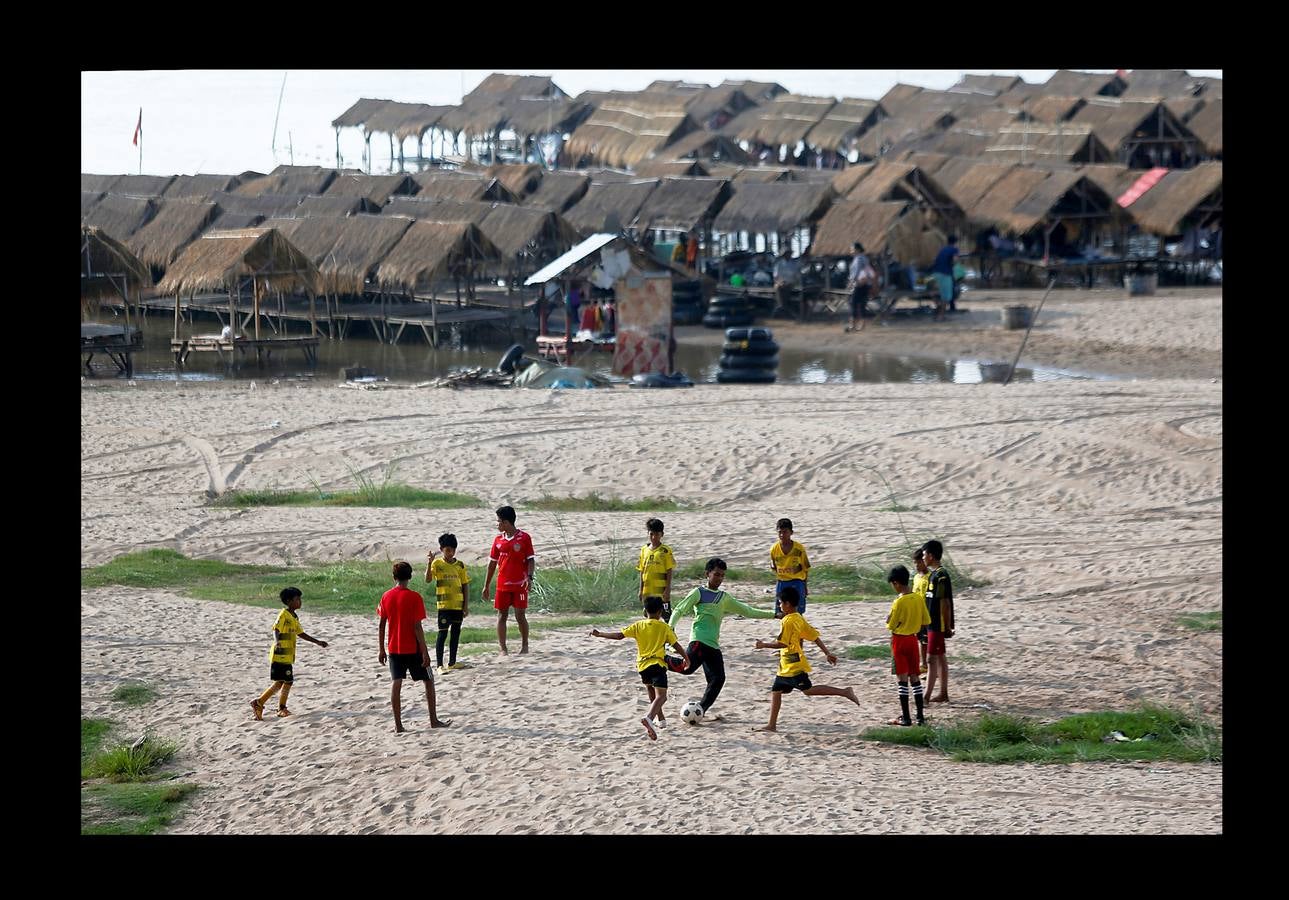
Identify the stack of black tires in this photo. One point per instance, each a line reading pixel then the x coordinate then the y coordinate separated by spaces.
pixel 687 302
pixel 726 310
pixel 750 356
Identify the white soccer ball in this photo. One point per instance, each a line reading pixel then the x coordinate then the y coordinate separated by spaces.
pixel 692 712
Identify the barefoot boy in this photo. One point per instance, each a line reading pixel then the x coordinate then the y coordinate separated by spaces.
pixel 652 635
pixel 513 561
pixel 401 612
pixel 655 567
pixel 282 656
pixel 790 565
pixel 907 616
pixel 793 665
pixel 939 603
pixel 452 590
pixel 920 581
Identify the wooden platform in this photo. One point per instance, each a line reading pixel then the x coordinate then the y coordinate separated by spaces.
pixel 231 351
pixel 554 346
pixel 117 342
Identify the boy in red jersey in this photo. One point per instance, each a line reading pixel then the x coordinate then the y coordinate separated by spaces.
pixel 403 610
pixel 513 561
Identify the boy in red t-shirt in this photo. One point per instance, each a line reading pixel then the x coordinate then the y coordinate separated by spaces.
pixel 404 610
pixel 513 561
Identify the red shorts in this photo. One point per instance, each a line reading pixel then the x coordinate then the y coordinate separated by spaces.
pixel 519 600
pixel 934 643
pixel 906 653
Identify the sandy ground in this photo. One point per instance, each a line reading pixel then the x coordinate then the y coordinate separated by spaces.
pixel 1094 509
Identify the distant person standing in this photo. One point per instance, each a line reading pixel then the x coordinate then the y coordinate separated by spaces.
pixel 787 276
pixel 691 251
pixel 942 268
pixel 574 306
pixel 860 283
pixel 678 251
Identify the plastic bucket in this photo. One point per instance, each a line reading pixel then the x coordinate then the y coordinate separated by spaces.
pixel 1017 317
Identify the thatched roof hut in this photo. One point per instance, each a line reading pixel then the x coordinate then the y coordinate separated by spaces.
pixel 521 180
pixel 358 114
pixel 991 85
pixel 627 128
pixel 197 187
pixel 1051 108
pixel 1207 126
pixel 429 250
pixel 339 205
pixel 1181 198
pixel 966 180
pixel 1161 84
pixel 436 209
pixel 120 216
pixel 774 208
pixel 844 122
pixel 295 181
pixel 705 145
pixel 1063 195
pixel 713 107
pixel 671 168
pixel 403 120
pixel 100 184
pixel 177 224
pixel 221 259
pixel 621 200
pixel 752 174
pixel 994 206
pixel 680 204
pixel 376 188
pixel 499 99
pixel 142 185
pixel 529 230
pixel 558 191
pixel 1112 178
pixel 314 236
pixel 88 199
pixel 901 182
pixel 443 185
pixel 265 205
pixel 538 115
pixel 1062 143
pixel 757 90
pixel 1067 83
pixel 910 124
pixel 361 242
pixel 930 163
pixel 1140 133
pixel 880 227
pixel 898 97
pixel 786 119
pixel 108 268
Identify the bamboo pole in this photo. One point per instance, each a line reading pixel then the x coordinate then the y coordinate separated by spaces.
pixel 1012 371
pixel 255 305
pixel 313 319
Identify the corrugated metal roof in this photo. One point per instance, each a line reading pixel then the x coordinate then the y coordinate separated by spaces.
pixel 577 254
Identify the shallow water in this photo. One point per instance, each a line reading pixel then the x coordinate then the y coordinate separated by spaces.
pixel 413 360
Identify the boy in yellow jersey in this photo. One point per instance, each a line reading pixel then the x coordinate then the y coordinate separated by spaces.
pixel 908 615
pixel 652 635
pixel 282 656
pixel 790 565
pixel 920 582
pixel 452 587
pixel 655 567
pixel 793 665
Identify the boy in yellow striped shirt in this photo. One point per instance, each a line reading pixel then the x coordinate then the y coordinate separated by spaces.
pixel 452 588
pixel 655 567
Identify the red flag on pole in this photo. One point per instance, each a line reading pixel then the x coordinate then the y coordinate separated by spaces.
pixel 138 129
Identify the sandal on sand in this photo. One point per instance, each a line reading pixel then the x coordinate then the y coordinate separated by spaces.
pixel 258 708
pixel 283 712
pixel 653 735
pixel 902 722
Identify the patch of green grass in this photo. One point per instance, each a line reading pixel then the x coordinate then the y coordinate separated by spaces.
pixel 695 571
pixel 134 694
pixel 93 733
pixel 129 763
pixel 1153 733
pixel 162 568
pixel 130 808
pixel 1203 621
pixel 869 651
pixel 390 495
pixel 593 502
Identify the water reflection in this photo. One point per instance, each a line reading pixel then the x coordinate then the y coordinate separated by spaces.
pixel 415 360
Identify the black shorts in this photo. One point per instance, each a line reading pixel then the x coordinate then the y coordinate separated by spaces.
pixel 281 672
pixel 785 683
pixel 402 663
pixel 449 617
pixel 654 676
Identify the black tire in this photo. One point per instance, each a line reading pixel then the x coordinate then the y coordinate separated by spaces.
pixel 750 348
pixel 509 358
pixel 749 334
pixel 714 320
pixel 722 301
pixel 746 376
pixel 749 362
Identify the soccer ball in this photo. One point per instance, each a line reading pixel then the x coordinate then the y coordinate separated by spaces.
pixel 692 712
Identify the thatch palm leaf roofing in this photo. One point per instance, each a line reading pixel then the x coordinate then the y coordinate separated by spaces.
pixel 521 180
pixel 221 259
pixel 98 183
pixel 1052 108
pixel 1177 196
pixel 986 84
pixel 142 185
pixel 1084 84
pixel 559 190
pixel 404 120
pixel 995 206
pixel 313 237
pixel 628 127
pixel 360 244
pixel 786 119
pixel 671 168
pixel 264 205
pixel 359 113
pixel 966 180
pixel 296 181
pixel 428 250
pixel 520 229
pixel 1113 179
pixel 102 255
pixel 620 199
pixel 1207 126
pixel 376 188
pixel 120 216
pixel 1114 122
pixel 462 186
pixel 538 115
pixel 177 223
pixel 196 187
pixel 1160 84
pixel 88 199
pixel 775 207
pixel 1055 197
pixel 340 205
pixel 898 97
pixel 704 145
pixel 683 203
pixel 1029 142
pixel 930 163
pixel 757 90
pixel 844 121
pixel 435 209
pixel 848 221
